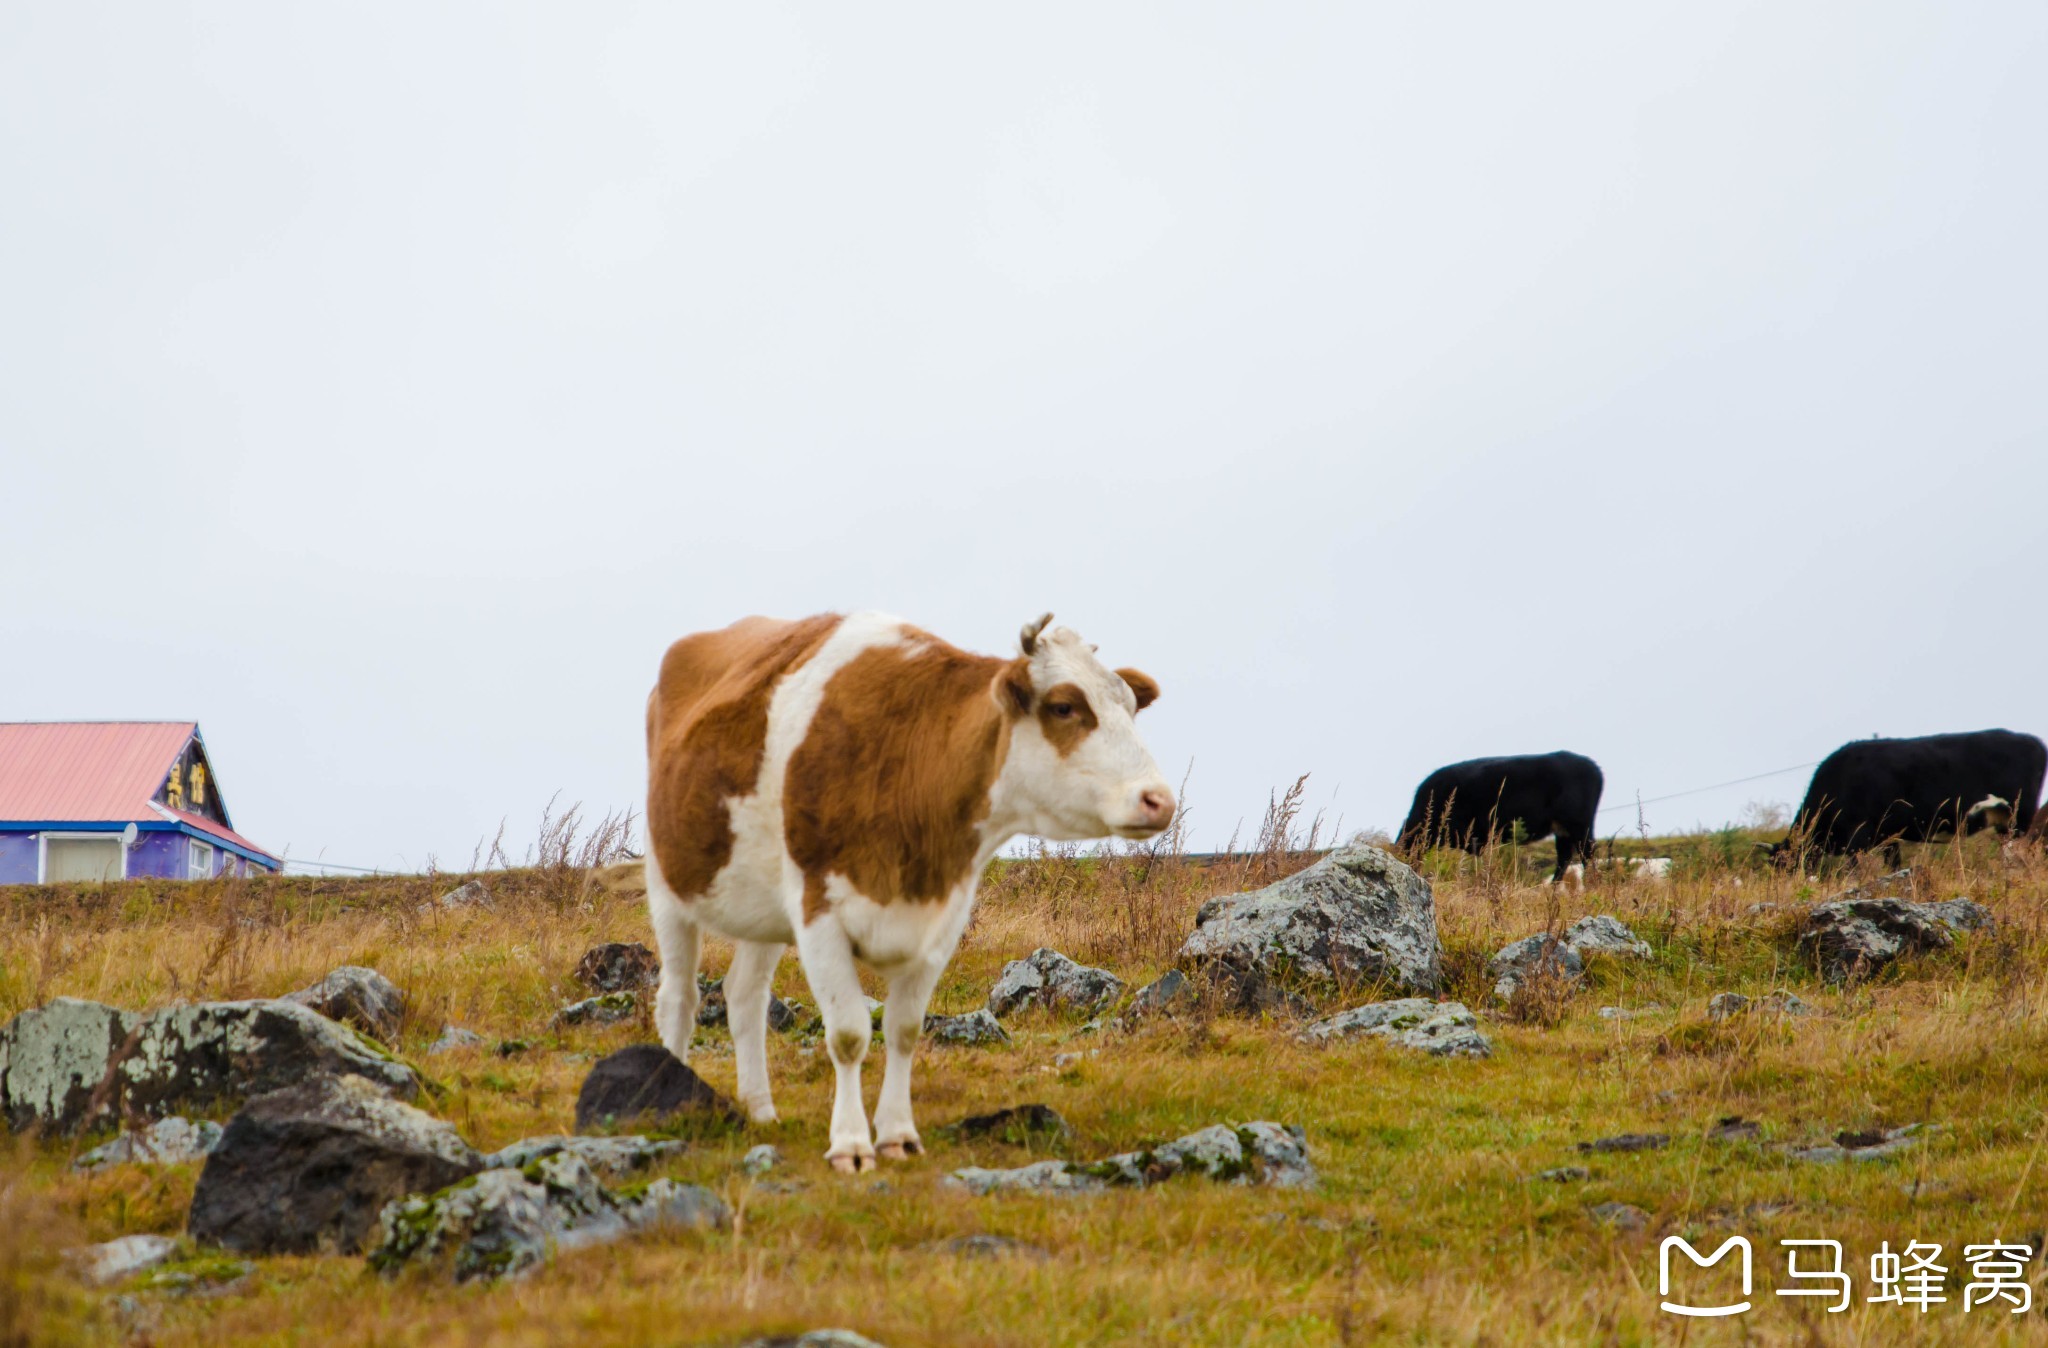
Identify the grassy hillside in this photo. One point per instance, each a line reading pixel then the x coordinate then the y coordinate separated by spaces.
pixel 1428 1226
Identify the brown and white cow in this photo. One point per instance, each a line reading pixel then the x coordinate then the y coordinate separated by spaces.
pixel 840 783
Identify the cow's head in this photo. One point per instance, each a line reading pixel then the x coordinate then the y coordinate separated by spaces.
pixel 1076 767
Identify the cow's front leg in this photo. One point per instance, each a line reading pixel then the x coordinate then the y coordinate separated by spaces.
pixel 910 992
pixel 680 940
pixel 827 957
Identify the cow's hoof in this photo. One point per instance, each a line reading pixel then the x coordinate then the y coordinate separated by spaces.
pixel 851 1165
pixel 900 1151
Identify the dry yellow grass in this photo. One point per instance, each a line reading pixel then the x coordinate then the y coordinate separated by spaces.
pixel 1427 1227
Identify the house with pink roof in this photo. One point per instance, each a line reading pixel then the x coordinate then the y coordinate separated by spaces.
pixel 110 800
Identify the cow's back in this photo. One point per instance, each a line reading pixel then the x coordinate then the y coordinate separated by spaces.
pixel 707 727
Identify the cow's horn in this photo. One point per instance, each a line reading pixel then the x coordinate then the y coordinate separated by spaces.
pixel 1028 637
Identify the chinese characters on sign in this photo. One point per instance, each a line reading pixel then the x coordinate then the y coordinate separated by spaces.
pixel 1912 1277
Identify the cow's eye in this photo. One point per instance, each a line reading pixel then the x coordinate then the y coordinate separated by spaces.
pixel 1063 710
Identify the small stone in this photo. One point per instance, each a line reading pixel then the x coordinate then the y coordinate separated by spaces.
pixel 1782 1003
pixel 1533 957
pixel 605 1009
pixel 1735 1128
pixel 454 1037
pixel 610 1156
pixel 688 1207
pixel 760 1160
pixel 171 1141
pixel 1016 1125
pixel 974 1029
pixel 983 1246
pixel 512 1048
pixel 357 996
pixel 1169 994
pixel 644 1081
pixel 816 1338
pixel 473 894
pixel 123 1258
pixel 1062 1061
pixel 1873 1145
pixel 1440 1029
pixel 618 966
pixel 1047 979
pixel 1604 935
pixel 1565 1174
pixel 1046 1177
pixel 1723 1005
pixel 1630 1012
pixel 1626 1142
pixel 1619 1216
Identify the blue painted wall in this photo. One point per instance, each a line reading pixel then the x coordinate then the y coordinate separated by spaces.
pixel 155 856
pixel 17 858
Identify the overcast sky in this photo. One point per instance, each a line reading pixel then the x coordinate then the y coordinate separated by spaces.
pixel 384 387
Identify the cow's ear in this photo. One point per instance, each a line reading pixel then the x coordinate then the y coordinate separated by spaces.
pixel 1143 686
pixel 1012 687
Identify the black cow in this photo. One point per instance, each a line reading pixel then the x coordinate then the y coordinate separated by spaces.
pixel 1474 804
pixel 1880 793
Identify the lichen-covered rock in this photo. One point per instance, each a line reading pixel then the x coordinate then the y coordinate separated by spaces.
pixel 1169 994
pixel 711 1009
pixel 454 1037
pixel 1047 979
pixel 1357 916
pixel 611 1156
pixel 1877 1145
pixel 1723 1005
pixel 1854 938
pixel 618 966
pixel 54 1058
pixel 1604 935
pixel 607 1008
pixel 309 1168
pixel 816 1338
pixel 975 1029
pixel 1263 1153
pixel 1441 1029
pixel 171 1141
pixel 473 894
pixel 644 1082
pixel 357 996
pixel 1531 958
pixel 761 1159
pixel 504 1222
pixel 123 1258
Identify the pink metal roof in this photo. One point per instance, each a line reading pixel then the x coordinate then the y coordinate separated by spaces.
pixel 86 770
pixel 95 772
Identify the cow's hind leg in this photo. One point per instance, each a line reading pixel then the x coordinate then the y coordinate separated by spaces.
pixel 747 994
pixel 910 992
pixel 827 956
pixel 680 940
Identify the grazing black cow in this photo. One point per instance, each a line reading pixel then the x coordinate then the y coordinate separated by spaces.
pixel 1880 793
pixel 1474 804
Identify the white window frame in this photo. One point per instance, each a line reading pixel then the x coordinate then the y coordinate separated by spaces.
pixel 193 858
pixel 43 849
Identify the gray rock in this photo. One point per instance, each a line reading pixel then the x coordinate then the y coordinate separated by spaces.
pixel 54 1058
pixel 123 1258
pixel 171 1141
pixel 816 1338
pixel 1016 1125
pixel 610 1156
pixel 1870 1146
pixel 760 1160
pixel 1264 1153
pixel 983 1246
pixel 1604 935
pixel 1169 994
pixel 1854 938
pixel 1049 980
pixel 454 1037
pixel 1565 1174
pixel 1723 1005
pixel 1735 1129
pixel 473 894
pixel 607 1008
pixel 712 1010
pixel 1628 1142
pixel 1441 1029
pixel 618 966
pixel 309 1168
pixel 1619 1216
pixel 1630 1012
pixel 1532 957
pixel 971 1030
pixel 1357 916
pixel 644 1082
pixel 665 1203
pixel 357 996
